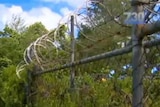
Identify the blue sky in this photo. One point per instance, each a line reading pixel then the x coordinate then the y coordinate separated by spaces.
pixel 49 12
pixel 29 4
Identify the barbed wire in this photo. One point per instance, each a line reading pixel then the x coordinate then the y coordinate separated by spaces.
pixel 51 52
pixel 34 49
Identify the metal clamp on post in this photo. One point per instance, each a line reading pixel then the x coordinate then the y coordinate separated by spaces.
pixel 138 2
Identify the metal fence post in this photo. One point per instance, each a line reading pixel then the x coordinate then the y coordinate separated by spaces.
pixel 137 61
pixel 72 84
pixel 28 88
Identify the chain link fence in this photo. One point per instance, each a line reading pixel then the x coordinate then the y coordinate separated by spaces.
pixel 102 74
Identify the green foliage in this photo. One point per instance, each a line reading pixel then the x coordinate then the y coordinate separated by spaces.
pixel 31 34
pixel 102 27
pixel 11 32
pixel 12 88
pixel 53 91
pixel 4 62
pixel 93 87
pixel 9 48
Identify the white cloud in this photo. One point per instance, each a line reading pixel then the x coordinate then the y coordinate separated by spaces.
pixel 45 15
pixel 49 18
pixel 65 11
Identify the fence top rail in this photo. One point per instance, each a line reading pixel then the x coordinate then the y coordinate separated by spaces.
pixel 125 50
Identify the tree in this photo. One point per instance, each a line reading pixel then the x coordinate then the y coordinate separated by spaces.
pixel 140 31
pixel 32 33
pixel 17 23
pixel 12 89
pixel 93 88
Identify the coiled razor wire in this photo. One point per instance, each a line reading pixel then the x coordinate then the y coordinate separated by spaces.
pixel 52 42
